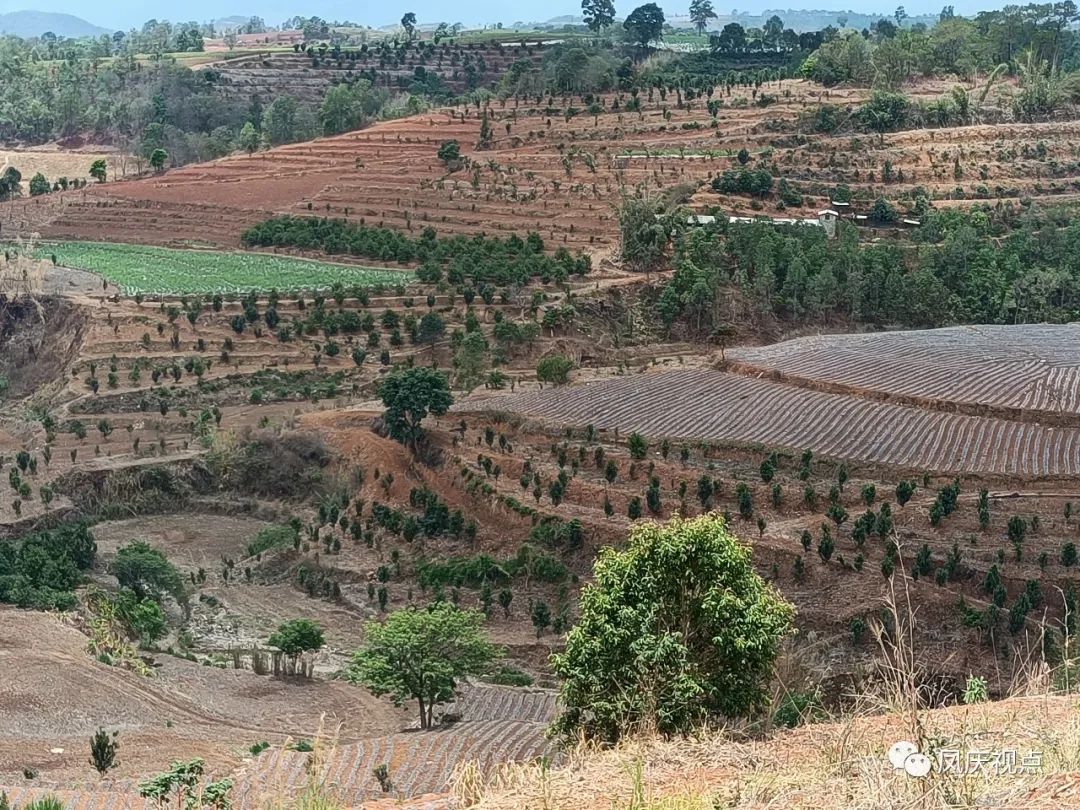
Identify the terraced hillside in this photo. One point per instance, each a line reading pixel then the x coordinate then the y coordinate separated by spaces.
pixel 718 407
pixel 1022 372
pixel 417 763
pixel 307 77
pixel 555 167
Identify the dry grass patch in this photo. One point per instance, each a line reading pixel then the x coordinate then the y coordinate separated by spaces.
pixel 835 765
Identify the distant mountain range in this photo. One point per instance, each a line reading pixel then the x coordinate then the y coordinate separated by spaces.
pixel 27 24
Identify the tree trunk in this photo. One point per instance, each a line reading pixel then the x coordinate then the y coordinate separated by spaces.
pixel 424 724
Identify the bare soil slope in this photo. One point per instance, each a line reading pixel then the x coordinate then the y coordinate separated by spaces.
pixel 55 696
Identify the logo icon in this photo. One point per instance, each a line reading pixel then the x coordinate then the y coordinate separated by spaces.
pixel 906 756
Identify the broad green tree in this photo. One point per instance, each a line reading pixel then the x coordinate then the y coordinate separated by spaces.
pixel 772 31
pixel 732 38
pixel 350 106
pixel 701 11
pixel 646 232
pixel 158 159
pixel 10 183
pixel 598 14
pixel 675 628
pixel 645 24
pixel 249 138
pixel 470 361
pixel 147 572
pixel 99 170
pixel 449 153
pixel 39 185
pixel 431 328
pixel 298 636
pixel 408 22
pixel 554 369
pixel 409 396
pixel 286 122
pixel 421 654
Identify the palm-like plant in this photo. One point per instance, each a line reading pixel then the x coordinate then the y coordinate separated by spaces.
pixel 1040 88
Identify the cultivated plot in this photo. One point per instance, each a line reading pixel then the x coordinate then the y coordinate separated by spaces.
pixel 714 406
pixel 1032 368
pixel 151 270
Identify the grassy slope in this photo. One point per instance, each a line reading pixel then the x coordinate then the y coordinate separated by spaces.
pixel 835 765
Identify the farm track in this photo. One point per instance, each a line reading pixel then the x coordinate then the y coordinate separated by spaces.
pixel 715 406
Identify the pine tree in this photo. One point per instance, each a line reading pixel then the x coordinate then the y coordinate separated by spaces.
pixel 103 748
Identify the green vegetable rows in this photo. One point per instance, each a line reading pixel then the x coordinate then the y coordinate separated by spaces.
pixel 154 270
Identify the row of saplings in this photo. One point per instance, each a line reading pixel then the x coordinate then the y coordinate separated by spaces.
pixel 869 524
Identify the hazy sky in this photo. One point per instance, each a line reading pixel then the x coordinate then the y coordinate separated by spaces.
pixel 127 13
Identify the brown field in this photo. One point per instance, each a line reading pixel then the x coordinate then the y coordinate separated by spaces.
pixel 56 161
pixel 562 175
pixel 57 696
pixel 713 406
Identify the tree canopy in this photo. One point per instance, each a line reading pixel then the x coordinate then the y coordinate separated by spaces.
pixel 409 396
pixel 147 572
pixel 1025 274
pixel 421 654
pixel 42 570
pixel 645 231
pixel 701 11
pixel 645 24
pixel 675 628
pixel 297 636
pixel 555 368
pixel 598 14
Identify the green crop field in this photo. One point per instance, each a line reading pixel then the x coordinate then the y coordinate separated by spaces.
pixel 154 270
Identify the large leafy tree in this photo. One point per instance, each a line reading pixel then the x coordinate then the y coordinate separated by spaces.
pixel 147 572
pixel 701 11
pixel 286 122
pixel 645 24
pixel 598 14
pixel 297 636
pixel 409 396
pixel 646 231
pixel 674 629
pixel 772 31
pixel 10 183
pixel 431 328
pixel 349 106
pixel 731 39
pixel 408 22
pixel 421 654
